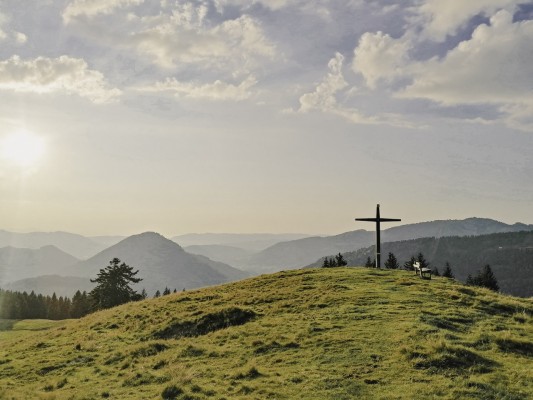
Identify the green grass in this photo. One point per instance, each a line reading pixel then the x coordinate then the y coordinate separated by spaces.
pixel 339 333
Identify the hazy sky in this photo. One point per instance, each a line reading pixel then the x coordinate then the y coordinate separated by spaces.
pixel 120 116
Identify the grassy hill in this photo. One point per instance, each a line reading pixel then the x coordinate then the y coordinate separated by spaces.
pixel 308 334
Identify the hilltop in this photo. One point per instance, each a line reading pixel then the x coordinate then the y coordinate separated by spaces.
pixel 339 333
pixel 510 256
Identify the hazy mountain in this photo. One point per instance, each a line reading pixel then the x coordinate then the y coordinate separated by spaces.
pixel 16 263
pixel 76 245
pixel 107 241
pixel 248 241
pixel 510 256
pixel 297 253
pixel 161 263
pixel 49 284
pixel 465 227
pixel 234 256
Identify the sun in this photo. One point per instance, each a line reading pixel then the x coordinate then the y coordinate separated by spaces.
pixel 22 148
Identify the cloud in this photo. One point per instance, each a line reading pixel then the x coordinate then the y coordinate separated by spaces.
pixel 217 90
pixel 493 67
pixel 323 97
pixel 380 57
pixel 10 35
pixel 93 8
pixel 184 38
pixel 47 75
pixel 441 18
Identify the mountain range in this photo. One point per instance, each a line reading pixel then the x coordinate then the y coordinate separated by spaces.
pixel 160 261
pixel 16 263
pixel 76 245
pixel 298 253
pixel 203 262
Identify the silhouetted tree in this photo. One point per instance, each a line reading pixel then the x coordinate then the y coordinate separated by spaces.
pixel 340 261
pixel 485 278
pixel 166 291
pixel 436 271
pixel 157 294
pixel 392 262
pixel 369 263
pixel 113 285
pixel 408 265
pixel 423 263
pixel 448 271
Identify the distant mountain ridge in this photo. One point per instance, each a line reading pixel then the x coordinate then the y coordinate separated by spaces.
pixel 50 284
pixel 17 263
pixel 298 253
pixel 248 241
pixel 161 262
pixel 78 246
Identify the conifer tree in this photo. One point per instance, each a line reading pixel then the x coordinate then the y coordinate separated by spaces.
pixel 113 285
pixel 448 271
pixel 340 261
pixel 408 265
pixel 392 262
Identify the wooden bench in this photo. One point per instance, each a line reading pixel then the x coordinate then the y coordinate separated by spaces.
pixel 423 272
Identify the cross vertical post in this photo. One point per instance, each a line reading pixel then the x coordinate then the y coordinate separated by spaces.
pixel 378 221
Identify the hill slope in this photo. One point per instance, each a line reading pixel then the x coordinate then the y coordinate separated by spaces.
pixel 161 263
pixel 310 334
pixel 510 256
pixel 298 253
pixel 18 263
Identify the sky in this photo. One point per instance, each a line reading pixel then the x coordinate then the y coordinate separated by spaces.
pixel 122 116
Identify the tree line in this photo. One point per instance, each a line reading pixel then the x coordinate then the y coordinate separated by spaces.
pixel 113 287
pixel 17 305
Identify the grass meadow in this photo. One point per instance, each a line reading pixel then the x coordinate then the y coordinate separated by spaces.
pixel 339 333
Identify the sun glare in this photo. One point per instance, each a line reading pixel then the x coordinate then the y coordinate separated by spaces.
pixel 22 149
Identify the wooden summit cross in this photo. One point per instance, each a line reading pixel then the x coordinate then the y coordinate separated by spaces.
pixel 378 220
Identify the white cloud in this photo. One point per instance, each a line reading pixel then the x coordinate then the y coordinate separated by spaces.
pixel 380 57
pixel 47 75
pixel 324 99
pixel 217 90
pixel 441 18
pixel 183 37
pixel 493 67
pixel 20 38
pixel 92 8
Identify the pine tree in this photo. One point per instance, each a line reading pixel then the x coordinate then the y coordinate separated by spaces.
pixel 369 263
pixel 485 278
pixel 448 271
pixel 392 262
pixel 325 264
pixel 408 265
pixel 423 263
pixel 436 272
pixel 166 291
pixel 113 285
pixel 340 261
pixel 157 294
